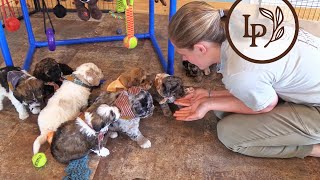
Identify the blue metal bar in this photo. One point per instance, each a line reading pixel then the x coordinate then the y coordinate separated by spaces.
pixel 158 51
pixel 4 47
pixel 27 22
pixel 90 40
pixel 170 69
pixel 28 60
pixel 151 17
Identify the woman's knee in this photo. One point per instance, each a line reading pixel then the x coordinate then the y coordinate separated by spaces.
pixel 226 131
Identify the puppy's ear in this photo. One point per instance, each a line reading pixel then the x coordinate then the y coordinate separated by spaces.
pixel 185 64
pixel 93 76
pixel 125 81
pixel 65 69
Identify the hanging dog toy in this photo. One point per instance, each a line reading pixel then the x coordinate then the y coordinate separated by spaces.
pixel 11 22
pixel 121 6
pixel 48 31
pixel 130 41
pixel 59 10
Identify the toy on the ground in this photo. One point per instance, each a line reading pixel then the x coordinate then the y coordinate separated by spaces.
pixel 39 160
pixel 59 10
pixel 130 41
pixel 85 13
pixel 11 22
pixel 78 169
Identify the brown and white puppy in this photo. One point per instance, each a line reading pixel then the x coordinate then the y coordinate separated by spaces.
pixel 22 89
pixel 164 89
pixel 77 138
pixel 67 101
pixel 51 72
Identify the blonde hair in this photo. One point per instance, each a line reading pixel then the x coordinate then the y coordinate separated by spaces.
pixel 194 22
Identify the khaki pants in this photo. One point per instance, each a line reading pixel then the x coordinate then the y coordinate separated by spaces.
pixel 289 130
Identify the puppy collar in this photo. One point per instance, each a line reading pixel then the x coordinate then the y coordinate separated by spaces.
pixel 123 103
pixel 13 78
pixel 76 80
pixel 158 84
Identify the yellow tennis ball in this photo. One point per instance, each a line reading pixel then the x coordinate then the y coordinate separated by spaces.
pixel 39 160
pixel 130 42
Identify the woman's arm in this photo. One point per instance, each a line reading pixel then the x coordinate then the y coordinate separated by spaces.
pixel 232 104
pixel 219 93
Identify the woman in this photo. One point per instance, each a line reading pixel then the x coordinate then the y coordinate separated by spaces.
pixel 259 123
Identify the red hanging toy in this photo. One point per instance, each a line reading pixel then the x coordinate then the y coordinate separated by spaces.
pixel 11 22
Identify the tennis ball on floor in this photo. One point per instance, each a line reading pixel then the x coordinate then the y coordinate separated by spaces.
pixel 39 160
pixel 130 42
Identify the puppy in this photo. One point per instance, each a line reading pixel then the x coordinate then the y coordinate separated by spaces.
pixel 194 71
pixel 164 89
pixel 51 72
pixel 67 101
pixel 131 77
pixel 22 89
pixel 75 139
pixel 134 104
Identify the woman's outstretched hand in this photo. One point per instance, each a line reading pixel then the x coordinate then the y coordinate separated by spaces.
pixel 194 112
pixel 163 2
pixel 192 97
pixel 195 106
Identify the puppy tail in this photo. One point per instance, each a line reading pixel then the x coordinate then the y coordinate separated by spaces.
pixel 38 142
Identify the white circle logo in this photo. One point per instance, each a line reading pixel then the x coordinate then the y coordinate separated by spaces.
pixel 262 33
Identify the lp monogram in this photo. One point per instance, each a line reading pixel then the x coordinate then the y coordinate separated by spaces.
pixel 276 20
pixel 254 34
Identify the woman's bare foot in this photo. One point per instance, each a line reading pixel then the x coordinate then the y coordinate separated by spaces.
pixel 315 151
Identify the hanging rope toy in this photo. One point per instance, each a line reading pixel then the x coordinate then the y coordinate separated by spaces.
pixel 121 6
pixel 11 22
pixel 48 31
pixel 130 41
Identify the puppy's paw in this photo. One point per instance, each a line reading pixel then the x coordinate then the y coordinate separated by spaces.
pixel 146 144
pixel 113 135
pixel 23 116
pixel 103 152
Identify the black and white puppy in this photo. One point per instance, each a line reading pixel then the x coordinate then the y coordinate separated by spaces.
pixel 51 72
pixel 134 104
pixel 22 89
pixel 75 139
pixel 165 89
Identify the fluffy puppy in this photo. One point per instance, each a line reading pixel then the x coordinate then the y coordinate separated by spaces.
pixel 194 71
pixel 22 89
pixel 67 101
pixel 75 139
pixel 134 104
pixel 164 89
pixel 51 72
pixel 131 77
